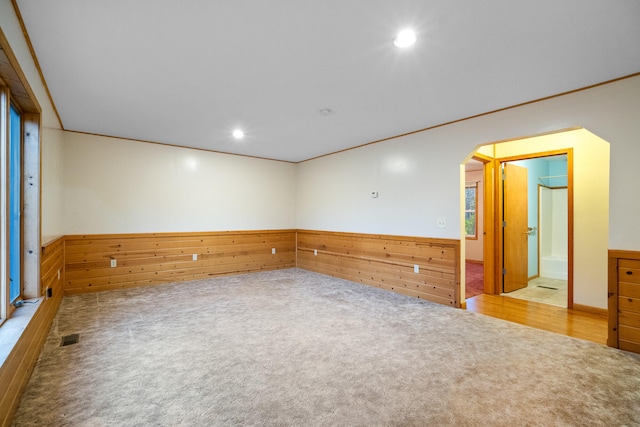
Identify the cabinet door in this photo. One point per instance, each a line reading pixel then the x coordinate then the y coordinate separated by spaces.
pixel 629 305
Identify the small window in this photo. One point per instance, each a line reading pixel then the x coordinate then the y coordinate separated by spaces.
pixel 471 210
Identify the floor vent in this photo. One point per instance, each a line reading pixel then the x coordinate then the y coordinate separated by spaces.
pixel 548 287
pixel 70 339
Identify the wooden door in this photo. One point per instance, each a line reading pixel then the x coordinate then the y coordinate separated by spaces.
pixel 515 226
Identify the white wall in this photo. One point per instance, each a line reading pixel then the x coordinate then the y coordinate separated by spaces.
pixel 554 223
pixel 413 175
pixel 333 191
pixel 51 184
pixel 121 186
pixel 559 223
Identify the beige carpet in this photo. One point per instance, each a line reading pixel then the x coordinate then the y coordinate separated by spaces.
pixel 294 348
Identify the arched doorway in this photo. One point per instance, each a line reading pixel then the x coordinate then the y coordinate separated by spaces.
pixel 589 231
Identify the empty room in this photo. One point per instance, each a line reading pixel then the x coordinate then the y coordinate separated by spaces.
pixel 345 213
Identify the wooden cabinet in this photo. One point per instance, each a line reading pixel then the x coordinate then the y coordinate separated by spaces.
pixel 624 300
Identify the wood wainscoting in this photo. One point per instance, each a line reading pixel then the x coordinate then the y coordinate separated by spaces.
pixel 20 362
pixel 155 258
pixel 386 262
pixel 52 269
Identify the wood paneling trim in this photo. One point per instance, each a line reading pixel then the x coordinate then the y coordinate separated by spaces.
pixel 590 309
pixel 386 261
pixel 19 364
pixel 186 234
pixel 153 258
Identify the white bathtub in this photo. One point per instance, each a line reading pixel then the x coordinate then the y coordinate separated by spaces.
pixel 554 267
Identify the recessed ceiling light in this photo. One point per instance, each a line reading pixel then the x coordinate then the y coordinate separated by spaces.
pixel 326 111
pixel 405 38
pixel 238 134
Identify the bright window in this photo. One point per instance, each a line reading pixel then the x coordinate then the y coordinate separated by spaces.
pixel 471 210
pixel 15 204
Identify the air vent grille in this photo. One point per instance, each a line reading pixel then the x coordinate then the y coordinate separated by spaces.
pixel 70 339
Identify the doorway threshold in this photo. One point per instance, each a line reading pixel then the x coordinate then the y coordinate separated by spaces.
pixel 543 290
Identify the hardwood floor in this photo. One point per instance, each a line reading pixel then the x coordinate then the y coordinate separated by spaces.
pixel 577 324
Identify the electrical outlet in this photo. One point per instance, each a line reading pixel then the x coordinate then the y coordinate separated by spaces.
pixel 195 257
pixel 273 250
pixel 114 263
pixel 315 252
pixel 416 268
pixel 442 222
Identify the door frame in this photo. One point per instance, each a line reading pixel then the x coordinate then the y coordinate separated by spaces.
pixel 493 197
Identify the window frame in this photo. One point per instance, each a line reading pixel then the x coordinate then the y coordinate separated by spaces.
pixel 473 185
pixel 5 308
pixel 15 91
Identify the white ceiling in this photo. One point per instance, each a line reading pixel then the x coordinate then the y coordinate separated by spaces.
pixel 188 72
